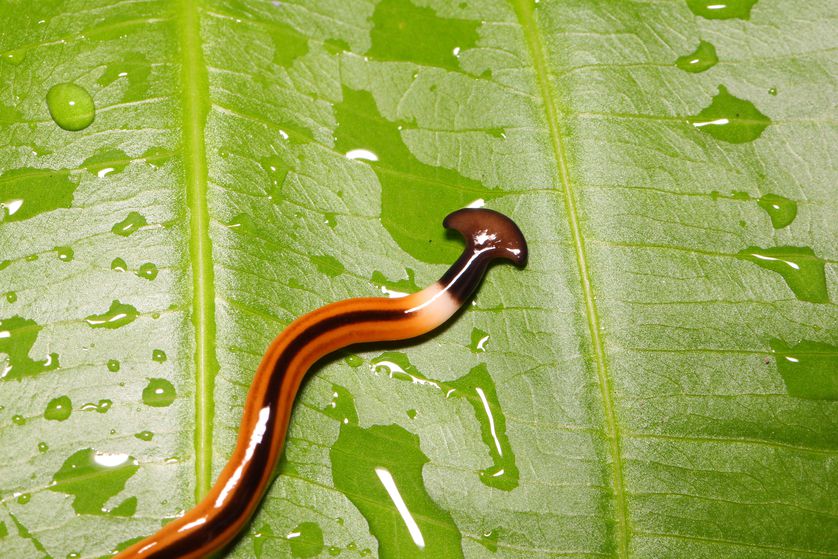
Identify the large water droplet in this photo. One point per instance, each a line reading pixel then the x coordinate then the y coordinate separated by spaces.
pixel 59 409
pixel 731 119
pixel 306 540
pixel 70 106
pixel 327 265
pixel 388 489
pixel 93 478
pixel 404 31
pixel 701 59
pixel 782 211
pixel 802 270
pixel 17 337
pixel 159 393
pixel 118 315
pixel 809 369
pixel 27 192
pixel 722 9
pixel 130 224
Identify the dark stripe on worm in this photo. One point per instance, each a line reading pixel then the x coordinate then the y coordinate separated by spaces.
pixel 215 521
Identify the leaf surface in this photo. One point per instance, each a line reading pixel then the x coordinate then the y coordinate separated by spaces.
pixel 661 381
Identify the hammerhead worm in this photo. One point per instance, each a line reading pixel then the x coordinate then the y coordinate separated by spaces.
pixel 225 510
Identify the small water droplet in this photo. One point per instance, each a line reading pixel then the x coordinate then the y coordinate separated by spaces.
pixel 489 540
pixel 731 119
pixel 479 339
pixel 782 211
pixel 147 271
pixel 701 59
pixel 330 219
pixel 119 265
pixel 113 365
pixel 118 315
pixel 70 106
pixel 397 288
pixel 353 360
pixel 801 269
pixel 65 254
pixel 102 406
pixel 342 406
pixel 411 413
pixel 106 162
pixel 133 68
pixel 130 224
pixel 59 409
pixel 15 57
pixel 242 223
pixel 73 555
pixel 722 9
pixel 306 540
pixel 24 498
pixel 277 170
pixel 43 447
pixel 11 296
pixel 159 393
pixel 158 355
pixel 259 539
pixel 18 420
pixel 145 435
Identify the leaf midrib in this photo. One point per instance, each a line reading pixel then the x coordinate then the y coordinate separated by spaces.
pixel 535 44
pixel 195 93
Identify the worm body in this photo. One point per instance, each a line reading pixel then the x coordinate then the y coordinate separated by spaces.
pixel 218 518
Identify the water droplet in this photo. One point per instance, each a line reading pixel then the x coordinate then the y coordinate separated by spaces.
pixel 159 393
pixel 411 413
pixel 701 59
pixel 133 68
pixel 31 258
pixel 405 181
pixel 43 447
pixel 15 57
pixel 18 419
pixel 722 9
pixel 489 540
pixel 388 489
pixel 731 119
pixel 113 365
pixel 260 538
pixel 102 406
pixel 106 162
pixel 93 478
pixel 17 337
pixel 119 265
pixel 334 550
pixel 397 288
pixel 336 46
pixel 772 91
pixel 289 44
pixel 809 369
pixel 73 555
pixel 801 269
pixel 342 406
pixel 59 409
pixel 118 315
pixel 24 498
pixel 159 356
pixel 145 435
pixel 327 265
pixel 147 271
pixel 65 254
pixel 277 170
pixel 155 156
pixel 331 219
pixel 243 223
pixel 11 296
pixel 479 339
pixel 70 106
pixel 478 389
pixel 782 211
pixel 353 360
pixel 401 31
pixel 306 540
pixel 130 224
pixel 26 192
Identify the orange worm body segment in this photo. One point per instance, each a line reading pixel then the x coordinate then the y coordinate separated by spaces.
pixel 219 517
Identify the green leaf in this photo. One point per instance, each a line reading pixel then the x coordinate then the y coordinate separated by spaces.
pixel 659 382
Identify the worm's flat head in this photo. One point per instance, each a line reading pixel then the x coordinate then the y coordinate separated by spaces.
pixel 487 229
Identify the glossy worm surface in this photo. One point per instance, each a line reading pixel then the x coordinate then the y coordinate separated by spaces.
pixel 218 518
